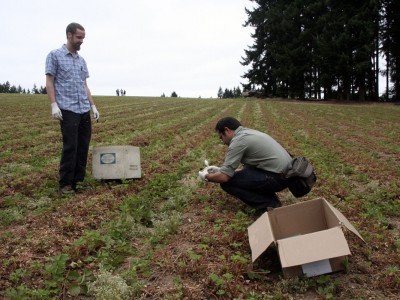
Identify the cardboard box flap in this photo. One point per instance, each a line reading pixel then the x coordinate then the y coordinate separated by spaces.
pixel 303 249
pixel 260 236
pixel 299 219
pixel 343 220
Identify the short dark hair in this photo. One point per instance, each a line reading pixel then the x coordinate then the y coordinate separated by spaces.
pixel 229 122
pixel 73 27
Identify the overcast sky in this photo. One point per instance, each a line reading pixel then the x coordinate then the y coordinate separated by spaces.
pixel 146 47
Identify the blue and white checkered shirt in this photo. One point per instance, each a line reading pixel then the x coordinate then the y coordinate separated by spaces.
pixel 70 72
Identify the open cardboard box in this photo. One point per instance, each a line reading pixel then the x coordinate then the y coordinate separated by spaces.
pixel 308 236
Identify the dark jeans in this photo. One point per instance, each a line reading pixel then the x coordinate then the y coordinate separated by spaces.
pixel 76 132
pixel 255 187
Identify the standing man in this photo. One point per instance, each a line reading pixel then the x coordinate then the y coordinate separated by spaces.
pixel 71 101
pixel 263 159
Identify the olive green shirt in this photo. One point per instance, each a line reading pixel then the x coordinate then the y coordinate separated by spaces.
pixel 255 149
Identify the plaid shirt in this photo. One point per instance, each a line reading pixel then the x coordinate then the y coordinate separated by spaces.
pixel 70 72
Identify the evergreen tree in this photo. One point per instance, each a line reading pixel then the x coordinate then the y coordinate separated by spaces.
pixel 43 90
pixel 237 92
pixel 305 47
pixel 220 93
pixel 228 94
pixel 35 89
pixel 354 45
pixel 391 44
pixel 13 89
pixel 257 57
pixel 6 87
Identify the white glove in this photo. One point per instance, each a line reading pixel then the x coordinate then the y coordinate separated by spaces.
pixel 203 173
pixel 213 169
pixel 96 114
pixel 55 111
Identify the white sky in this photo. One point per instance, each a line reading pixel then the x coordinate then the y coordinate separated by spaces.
pixel 147 47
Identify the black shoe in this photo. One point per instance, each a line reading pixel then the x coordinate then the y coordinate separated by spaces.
pixel 66 190
pixel 81 187
pixel 259 212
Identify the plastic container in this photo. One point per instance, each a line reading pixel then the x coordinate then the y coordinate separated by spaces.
pixel 116 162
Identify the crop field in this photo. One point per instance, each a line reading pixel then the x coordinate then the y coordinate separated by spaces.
pixel 170 236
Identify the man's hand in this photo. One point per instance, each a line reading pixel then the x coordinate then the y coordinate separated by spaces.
pixel 213 169
pixel 55 111
pixel 203 173
pixel 96 114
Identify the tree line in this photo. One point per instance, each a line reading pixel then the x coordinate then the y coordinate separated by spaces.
pixel 12 89
pixel 229 93
pixel 323 49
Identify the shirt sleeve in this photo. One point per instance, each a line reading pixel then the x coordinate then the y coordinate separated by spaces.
pixel 51 65
pixel 233 157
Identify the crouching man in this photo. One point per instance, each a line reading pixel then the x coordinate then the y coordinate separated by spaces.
pixel 264 161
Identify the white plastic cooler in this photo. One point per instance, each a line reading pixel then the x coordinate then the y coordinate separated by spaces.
pixel 116 162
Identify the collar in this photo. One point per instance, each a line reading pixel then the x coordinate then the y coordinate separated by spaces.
pixel 238 129
pixel 66 51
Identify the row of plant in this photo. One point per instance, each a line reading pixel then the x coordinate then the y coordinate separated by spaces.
pixel 142 214
pixel 168 235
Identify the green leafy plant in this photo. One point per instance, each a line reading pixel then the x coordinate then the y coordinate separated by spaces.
pixel 55 271
pixel 326 286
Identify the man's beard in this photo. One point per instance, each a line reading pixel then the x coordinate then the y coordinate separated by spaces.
pixel 77 46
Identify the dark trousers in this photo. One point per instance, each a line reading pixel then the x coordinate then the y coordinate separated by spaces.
pixel 255 187
pixel 76 132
